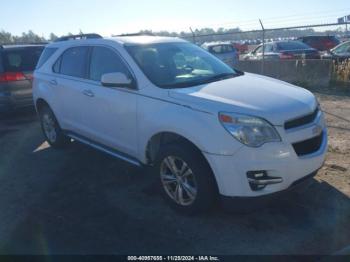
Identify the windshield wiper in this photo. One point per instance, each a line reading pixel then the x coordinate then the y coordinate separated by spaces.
pixel 219 77
pixel 207 80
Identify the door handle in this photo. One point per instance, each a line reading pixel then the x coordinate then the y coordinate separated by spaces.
pixel 88 93
pixel 53 82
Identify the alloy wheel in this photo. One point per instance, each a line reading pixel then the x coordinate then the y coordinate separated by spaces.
pixel 178 180
pixel 49 127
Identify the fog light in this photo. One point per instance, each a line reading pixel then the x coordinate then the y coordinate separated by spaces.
pixel 258 180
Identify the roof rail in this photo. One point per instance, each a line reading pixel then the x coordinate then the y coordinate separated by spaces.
pixel 18 44
pixel 135 34
pixel 80 36
pixel 26 43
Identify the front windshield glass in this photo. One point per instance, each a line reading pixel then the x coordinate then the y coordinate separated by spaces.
pixel 173 65
pixel 344 48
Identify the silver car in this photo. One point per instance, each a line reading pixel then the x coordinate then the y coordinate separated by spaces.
pixel 224 51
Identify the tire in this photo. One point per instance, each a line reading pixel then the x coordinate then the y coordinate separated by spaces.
pixel 51 129
pixel 195 182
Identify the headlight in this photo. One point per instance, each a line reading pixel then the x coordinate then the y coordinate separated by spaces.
pixel 249 130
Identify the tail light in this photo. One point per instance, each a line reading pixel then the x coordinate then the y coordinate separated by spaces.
pixel 11 77
pixel 286 56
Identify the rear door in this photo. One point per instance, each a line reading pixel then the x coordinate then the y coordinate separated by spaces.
pixel 17 72
pixel 68 83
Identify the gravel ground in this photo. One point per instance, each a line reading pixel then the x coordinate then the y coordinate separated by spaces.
pixel 81 201
pixel 336 171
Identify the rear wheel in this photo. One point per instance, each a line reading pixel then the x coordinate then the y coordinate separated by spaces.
pixel 186 178
pixel 51 129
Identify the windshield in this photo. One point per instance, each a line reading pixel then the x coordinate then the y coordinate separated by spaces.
pixel 172 65
pixel 344 48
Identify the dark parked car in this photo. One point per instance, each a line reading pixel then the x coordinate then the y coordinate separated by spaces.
pixel 321 43
pixel 339 53
pixel 17 63
pixel 283 50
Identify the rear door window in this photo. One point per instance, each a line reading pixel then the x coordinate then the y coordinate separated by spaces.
pixel 216 49
pixel 227 49
pixel 221 49
pixel 21 59
pixel 74 62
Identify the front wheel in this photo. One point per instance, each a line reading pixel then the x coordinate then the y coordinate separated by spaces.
pixel 186 178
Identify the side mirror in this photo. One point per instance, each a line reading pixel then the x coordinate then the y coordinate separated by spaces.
pixel 116 80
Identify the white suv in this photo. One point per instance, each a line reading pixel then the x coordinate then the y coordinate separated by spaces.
pixel 205 128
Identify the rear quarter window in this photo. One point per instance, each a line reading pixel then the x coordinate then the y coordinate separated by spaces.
pixel 21 59
pixel 46 54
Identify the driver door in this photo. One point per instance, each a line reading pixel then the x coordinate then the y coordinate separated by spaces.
pixel 111 111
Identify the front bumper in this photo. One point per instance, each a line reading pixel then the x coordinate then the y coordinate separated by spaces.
pixel 251 203
pixel 277 159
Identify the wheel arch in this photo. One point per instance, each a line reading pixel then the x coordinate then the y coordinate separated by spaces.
pixel 164 138
pixel 40 103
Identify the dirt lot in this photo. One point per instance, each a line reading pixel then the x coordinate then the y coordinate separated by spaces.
pixel 82 201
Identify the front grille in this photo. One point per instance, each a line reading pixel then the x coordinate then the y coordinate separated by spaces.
pixel 308 146
pixel 301 120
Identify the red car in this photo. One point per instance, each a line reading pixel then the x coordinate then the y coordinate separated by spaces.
pixel 241 48
pixel 321 43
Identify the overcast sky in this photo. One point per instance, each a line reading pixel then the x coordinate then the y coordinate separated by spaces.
pixel 108 17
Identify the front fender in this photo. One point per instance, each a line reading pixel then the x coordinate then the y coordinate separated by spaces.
pixel 203 129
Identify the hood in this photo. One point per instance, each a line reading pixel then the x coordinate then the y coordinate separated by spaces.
pixel 250 94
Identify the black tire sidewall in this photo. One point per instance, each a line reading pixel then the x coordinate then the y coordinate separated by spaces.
pixel 61 140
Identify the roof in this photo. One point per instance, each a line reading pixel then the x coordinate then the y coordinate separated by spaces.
pixel 142 40
pixel 217 43
pixel 282 41
pixel 123 40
